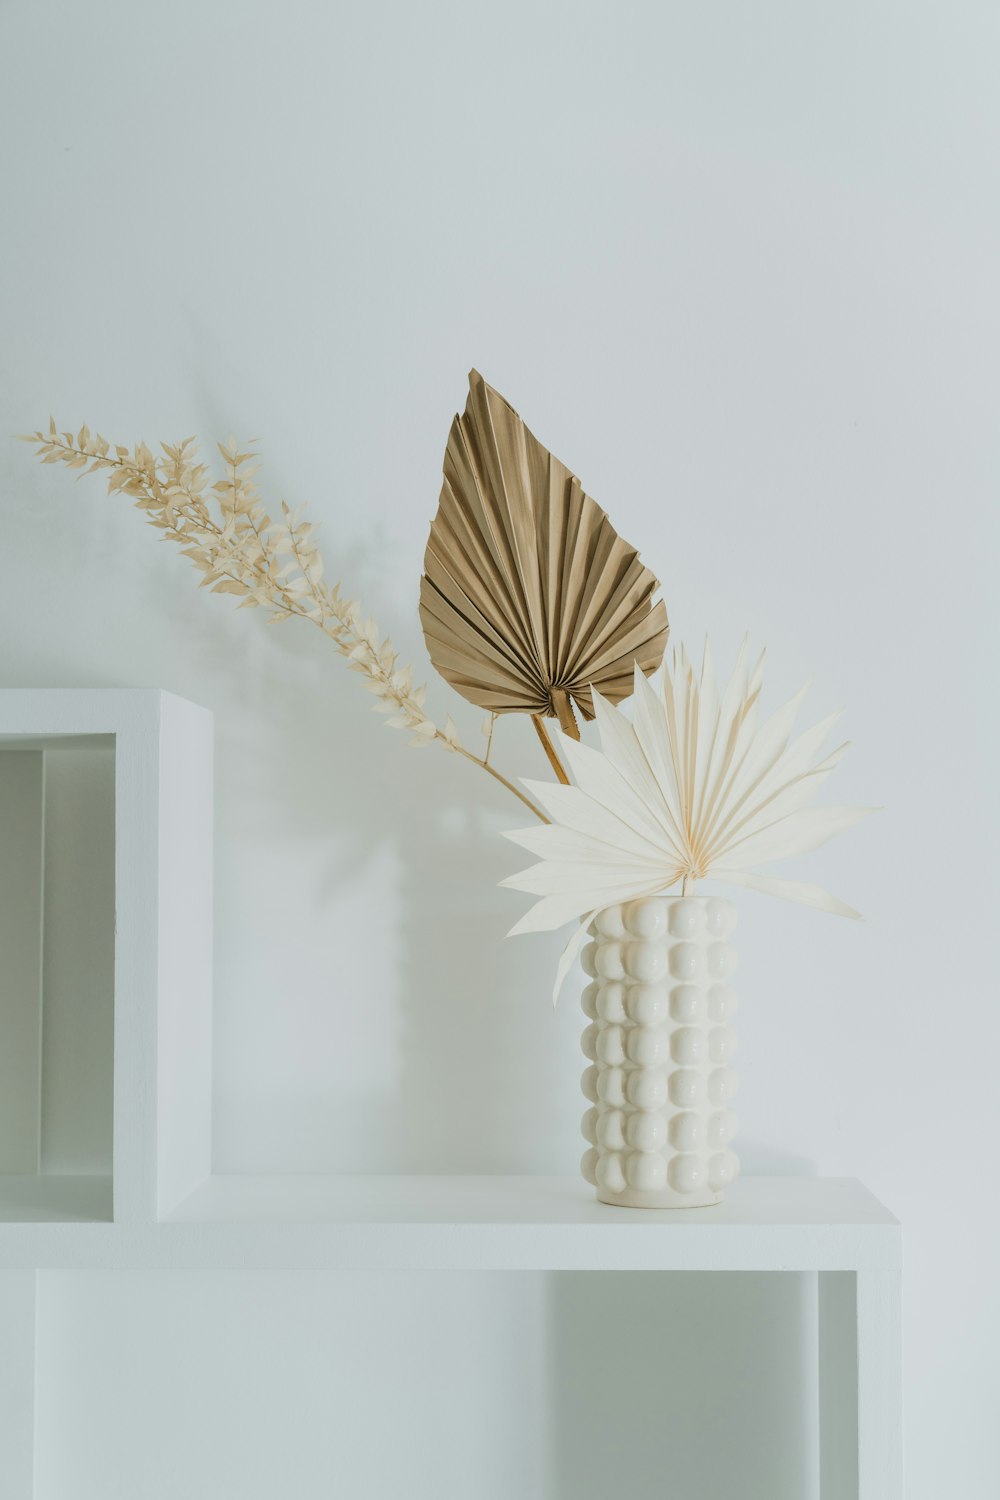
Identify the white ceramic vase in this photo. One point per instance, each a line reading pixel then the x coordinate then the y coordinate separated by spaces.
pixel 659 1043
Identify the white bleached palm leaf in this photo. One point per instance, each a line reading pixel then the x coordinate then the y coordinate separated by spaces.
pixel 692 786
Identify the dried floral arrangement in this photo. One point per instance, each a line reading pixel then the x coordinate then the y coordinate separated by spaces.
pixel 530 603
pixel 690 786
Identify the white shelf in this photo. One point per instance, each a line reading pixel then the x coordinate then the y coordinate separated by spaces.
pixel 475 1223
pixel 105 1004
pixel 156 1206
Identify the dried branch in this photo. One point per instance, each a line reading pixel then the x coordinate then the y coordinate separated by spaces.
pixel 273 564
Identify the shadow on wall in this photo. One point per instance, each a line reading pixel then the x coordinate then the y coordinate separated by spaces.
pixel 482 1074
pixel 430 1044
pixel 489 1077
pixel 694 1385
pixel 461 1064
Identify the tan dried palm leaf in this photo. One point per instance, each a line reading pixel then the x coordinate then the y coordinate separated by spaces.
pixel 529 596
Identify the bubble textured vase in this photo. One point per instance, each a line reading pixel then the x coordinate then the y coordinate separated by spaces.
pixel 660 1084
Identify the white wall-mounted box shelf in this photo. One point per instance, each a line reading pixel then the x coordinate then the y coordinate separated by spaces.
pixel 105 953
pixel 105 1104
pixel 832 1227
pixel 474 1224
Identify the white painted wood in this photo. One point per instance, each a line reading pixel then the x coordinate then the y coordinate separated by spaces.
pixel 184 1006
pixel 880 1385
pixel 22 832
pixel 476 1223
pixel 860 1384
pixel 774 1202
pixel 136 719
pixel 17 1384
pixel 171 1214
pixel 162 863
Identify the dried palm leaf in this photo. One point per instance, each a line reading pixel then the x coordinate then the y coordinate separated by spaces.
pixel 691 787
pixel 530 598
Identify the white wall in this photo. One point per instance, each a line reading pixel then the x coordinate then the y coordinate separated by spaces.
pixel 501 1386
pixel 737 266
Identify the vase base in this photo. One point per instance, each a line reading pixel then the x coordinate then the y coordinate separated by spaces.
pixel 667 1198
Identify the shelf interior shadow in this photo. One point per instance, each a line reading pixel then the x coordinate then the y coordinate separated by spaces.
pixel 57 934
pixel 687 1384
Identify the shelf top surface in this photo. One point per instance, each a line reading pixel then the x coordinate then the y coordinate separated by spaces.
pixel 452 1223
pixel 557 1201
